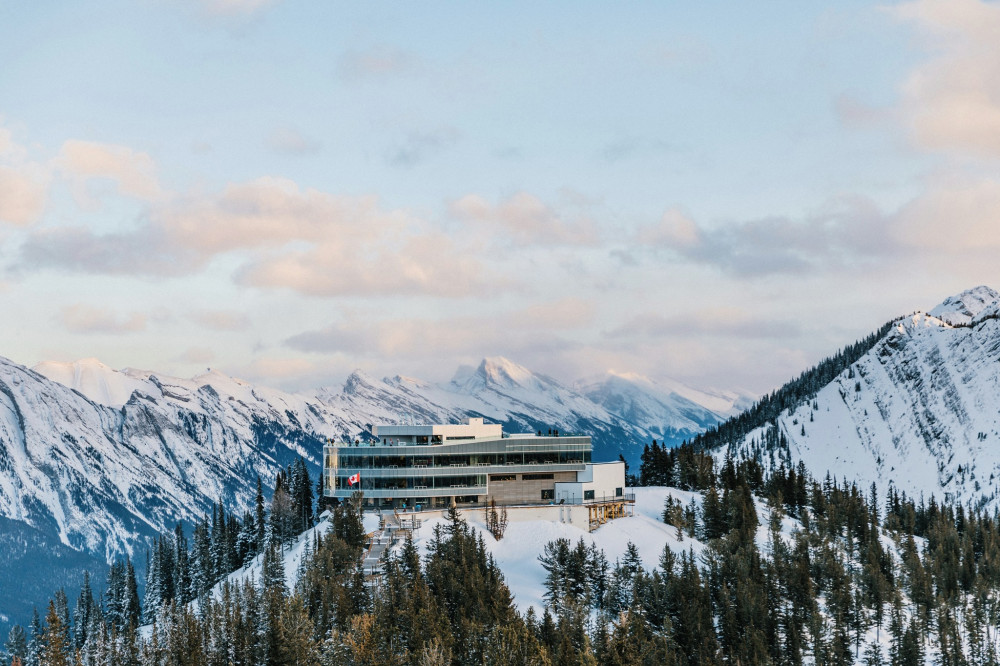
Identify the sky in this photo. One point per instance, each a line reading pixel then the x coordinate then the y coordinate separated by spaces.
pixel 721 193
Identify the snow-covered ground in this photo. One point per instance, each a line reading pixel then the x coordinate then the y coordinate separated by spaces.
pixel 518 551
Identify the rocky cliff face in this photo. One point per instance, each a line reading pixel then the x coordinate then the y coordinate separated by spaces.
pixel 919 411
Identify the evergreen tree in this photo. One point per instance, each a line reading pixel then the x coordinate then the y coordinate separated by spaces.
pixel 17 643
pixel 85 604
pixel 34 641
pixel 54 644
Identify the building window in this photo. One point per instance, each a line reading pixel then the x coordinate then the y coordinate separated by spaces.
pixel 503 477
pixel 548 494
pixel 619 492
pixel 588 494
pixel 537 477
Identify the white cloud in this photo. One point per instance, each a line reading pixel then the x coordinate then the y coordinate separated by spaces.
pixel 848 232
pixel 284 237
pixel 951 102
pixel 375 62
pixel 86 319
pixel 236 7
pixel 288 141
pixel 221 320
pixel 199 355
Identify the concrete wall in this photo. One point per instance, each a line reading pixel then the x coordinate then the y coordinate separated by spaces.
pixel 575 515
pixel 519 491
pixel 603 478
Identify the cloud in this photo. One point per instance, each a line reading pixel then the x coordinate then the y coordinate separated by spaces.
pixel 143 251
pixel 198 355
pixel 23 184
pixel 675 229
pixel 417 147
pixel 283 236
pixel 526 220
pixel 287 141
pixel 723 322
pixel 221 320
pixel 849 232
pixel 429 264
pixel 958 217
pixel 320 244
pixel 235 8
pixel 859 115
pixel 530 330
pixel 22 195
pixel 625 148
pixel 85 319
pixel 133 172
pixel 6 142
pixel 951 102
pixel 375 62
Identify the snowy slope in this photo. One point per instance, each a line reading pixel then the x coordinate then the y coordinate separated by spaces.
pixel 517 552
pixel 921 410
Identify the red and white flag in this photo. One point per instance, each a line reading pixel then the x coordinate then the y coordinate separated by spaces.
pixel 354 478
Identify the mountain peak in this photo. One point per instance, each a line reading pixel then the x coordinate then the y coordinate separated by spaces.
pixel 95 380
pixel 962 308
pixel 499 370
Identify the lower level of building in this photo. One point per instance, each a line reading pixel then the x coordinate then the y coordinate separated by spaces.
pixel 595 483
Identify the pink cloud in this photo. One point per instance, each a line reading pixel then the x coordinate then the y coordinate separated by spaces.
pixel 133 172
pixel 525 220
pixel 86 319
pixel 22 195
pixel 951 102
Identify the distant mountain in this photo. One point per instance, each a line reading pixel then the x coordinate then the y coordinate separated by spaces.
pixel 918 409
pixel 674 412
pixel 94 461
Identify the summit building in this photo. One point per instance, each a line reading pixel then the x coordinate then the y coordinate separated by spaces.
pixel 473 463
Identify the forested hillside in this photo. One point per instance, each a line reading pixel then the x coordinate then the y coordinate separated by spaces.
pixel 781 569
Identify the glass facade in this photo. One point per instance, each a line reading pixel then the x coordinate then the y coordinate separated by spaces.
pixel 464 468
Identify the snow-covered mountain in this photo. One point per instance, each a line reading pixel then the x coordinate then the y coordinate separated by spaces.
pixel 920 410
pixel 95 460
pixel 674 411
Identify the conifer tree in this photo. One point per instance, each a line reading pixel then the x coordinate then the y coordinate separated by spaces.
pixel 54 644
pixel 82 612
pixel 17 643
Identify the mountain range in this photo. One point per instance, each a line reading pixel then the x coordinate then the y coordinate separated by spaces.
pixel 95 461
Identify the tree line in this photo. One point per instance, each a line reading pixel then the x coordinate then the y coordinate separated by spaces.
pixel 763 568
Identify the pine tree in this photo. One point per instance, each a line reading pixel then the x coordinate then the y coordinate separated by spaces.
pixel 82 613
pixel 152 600
pixel 34 641
pixel 17 643
pixel 202 563
pixel 54 644
pixel 132 611
pixel 295 634
pixel 260 518
pixel 183 585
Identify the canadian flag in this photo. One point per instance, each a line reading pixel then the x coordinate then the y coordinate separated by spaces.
pixel 354 478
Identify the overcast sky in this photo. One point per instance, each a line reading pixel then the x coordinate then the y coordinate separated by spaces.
pixel 721 193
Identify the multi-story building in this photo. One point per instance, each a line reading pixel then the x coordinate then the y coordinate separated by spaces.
pixel 433 466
